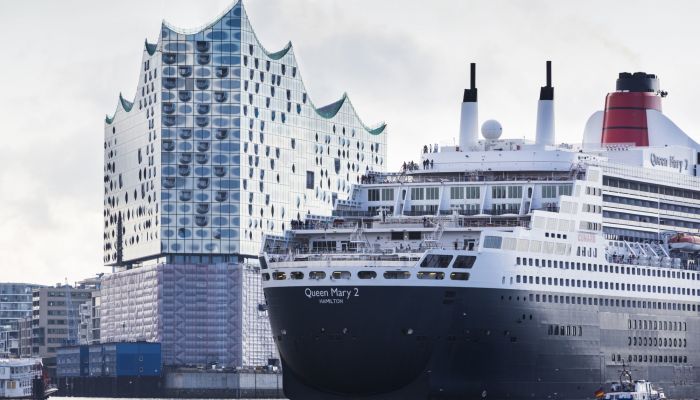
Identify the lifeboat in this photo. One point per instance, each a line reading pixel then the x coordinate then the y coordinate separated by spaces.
pixel 684 241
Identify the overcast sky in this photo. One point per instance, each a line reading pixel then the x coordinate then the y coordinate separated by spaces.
pixel 403 62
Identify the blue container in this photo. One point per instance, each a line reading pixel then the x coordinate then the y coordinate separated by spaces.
pixel 128 359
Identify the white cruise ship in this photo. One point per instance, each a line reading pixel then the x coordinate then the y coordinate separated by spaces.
pixel 502 268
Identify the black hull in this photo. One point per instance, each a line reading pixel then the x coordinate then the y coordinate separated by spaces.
pixel 448 343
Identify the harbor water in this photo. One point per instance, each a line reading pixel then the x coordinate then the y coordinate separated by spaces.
pixel 109 398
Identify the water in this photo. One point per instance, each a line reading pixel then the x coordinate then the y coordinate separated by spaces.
pixel 122 398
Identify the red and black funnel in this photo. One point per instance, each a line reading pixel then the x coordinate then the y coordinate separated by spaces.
pixel 625 119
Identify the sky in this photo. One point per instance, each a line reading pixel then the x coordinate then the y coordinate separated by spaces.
pixel 403 62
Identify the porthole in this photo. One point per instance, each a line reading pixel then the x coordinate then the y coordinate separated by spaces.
pixel 317 275
pixel 397 275
pixel 459 276
pixel 367 275
pixel 337 275
pixel 279 276
pixel 296 275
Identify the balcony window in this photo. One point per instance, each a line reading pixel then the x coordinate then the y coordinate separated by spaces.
pixel 185 96
pixel 202 121
pixel 201 220
pixel 220 97
pixel 221 72
pixel 169 120
pixel 203 108
pixel 202 84
pixel 185 158
pixel 168 108
pixel 169 83
pixel 183 170
pixel 169 58
pixel 202 146
pixel 184 70
pixel 202 46
pixel 185 133
pixel 185 195
pixel 221 196
pixel 202 158
pixel 221 134
pixel 203 59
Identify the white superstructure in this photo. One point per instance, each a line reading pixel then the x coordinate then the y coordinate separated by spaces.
pixel 16 377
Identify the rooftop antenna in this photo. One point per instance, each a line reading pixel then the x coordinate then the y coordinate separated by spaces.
pixel 472 75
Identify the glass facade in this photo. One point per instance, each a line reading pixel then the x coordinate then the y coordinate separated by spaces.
pixel 15 302
pixel 222 145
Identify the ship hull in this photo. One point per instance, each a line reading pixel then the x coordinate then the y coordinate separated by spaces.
pixel 458 343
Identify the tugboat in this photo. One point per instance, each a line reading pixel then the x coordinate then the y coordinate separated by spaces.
pixel 628 389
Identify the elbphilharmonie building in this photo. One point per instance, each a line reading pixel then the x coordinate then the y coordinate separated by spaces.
pixel 220 146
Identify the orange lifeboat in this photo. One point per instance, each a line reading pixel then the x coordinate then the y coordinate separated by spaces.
pixel 684 241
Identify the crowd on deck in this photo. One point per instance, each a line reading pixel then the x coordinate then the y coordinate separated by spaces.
pixel 413 166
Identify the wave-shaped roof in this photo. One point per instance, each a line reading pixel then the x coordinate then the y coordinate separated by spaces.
pixel 151 47
pixel 125 104
pixel 328 111
pixel 331 110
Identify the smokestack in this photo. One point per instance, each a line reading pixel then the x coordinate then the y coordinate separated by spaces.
pixel 469 120
pixel 625 118
pixel 545 112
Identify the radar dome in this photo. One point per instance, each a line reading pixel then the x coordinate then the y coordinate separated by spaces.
pixel 491 129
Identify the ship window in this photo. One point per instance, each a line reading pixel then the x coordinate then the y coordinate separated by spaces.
pixel 414 236
pixel 436 261
pixel 366 274
pixel 296 275
pixel 279 276
pixel 397 275
pixel 459 276
pixel 317 275
pixel 431 275
pixel 467 262
pixel 340 275
pixel 493 242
